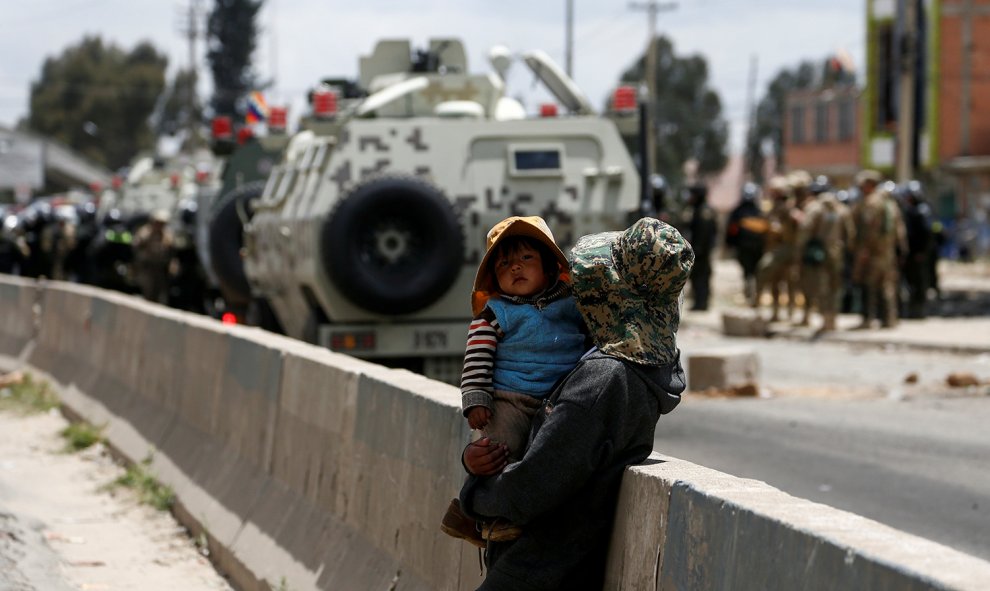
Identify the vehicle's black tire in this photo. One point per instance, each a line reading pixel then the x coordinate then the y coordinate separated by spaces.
pixel 393 245
pixel 227 238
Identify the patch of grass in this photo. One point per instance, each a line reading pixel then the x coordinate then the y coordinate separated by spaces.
pixel 26 394
pixel 150 492
pixel 81 435
pixel 202 542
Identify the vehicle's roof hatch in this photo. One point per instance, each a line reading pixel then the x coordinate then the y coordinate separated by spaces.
pixel 558 82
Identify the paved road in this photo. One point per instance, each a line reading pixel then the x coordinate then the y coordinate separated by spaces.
pixel 840 426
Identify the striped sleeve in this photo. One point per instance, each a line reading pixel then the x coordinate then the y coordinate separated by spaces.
pixel 479 361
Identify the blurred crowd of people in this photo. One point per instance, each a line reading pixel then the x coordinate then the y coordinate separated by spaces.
pixel 71 239
pixel 805 246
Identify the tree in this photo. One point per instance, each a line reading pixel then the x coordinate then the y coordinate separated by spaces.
pixel 687 116
pixel 766 136
pixel 231 40
pixel 97 99
pixel 174 115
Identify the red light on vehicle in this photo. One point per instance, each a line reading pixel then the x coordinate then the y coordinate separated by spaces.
pixel 173 179
pixel 223 129
pixel 228 318
pixel 276 118
pixel 243 135
pixel 624 99
pixel 95 187
pixel 352 341
pixel 324 103
pixel 117 181
pixel 548 110
pixel 202 176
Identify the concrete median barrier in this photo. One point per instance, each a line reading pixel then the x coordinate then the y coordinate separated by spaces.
pixel 17 300
pixel 311 470
pixel 683 526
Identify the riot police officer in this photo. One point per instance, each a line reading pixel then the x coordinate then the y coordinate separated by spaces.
pixel 920 244
pixel 745 232
pixel 702 231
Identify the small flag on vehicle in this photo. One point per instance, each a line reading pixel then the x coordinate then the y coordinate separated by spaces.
pixel 257 108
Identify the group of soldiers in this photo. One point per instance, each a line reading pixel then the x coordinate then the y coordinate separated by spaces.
pixel 811 247
pixel 148 253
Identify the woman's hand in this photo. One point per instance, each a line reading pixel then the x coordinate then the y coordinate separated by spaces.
pixel 485 457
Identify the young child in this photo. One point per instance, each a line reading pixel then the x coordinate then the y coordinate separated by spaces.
pixel 526 334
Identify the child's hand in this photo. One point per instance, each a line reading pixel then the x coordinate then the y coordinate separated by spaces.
pixel 478 417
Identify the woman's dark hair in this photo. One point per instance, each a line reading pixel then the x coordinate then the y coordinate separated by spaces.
pixel 511 244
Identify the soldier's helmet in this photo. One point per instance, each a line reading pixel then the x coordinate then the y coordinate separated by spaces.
pixel 658 184
pixel 868 176
pixel 750 193
pixel 913 189
pixel 799 180
pixel 66 213
pixel 112 217
pixel 10 222
pixel 696 192
pixel 86 212
pixel 820 185
pixel 187 212
pixel 160 215
pixel 778 187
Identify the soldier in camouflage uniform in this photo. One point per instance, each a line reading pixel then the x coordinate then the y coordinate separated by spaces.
pixel 920 245
pixel 801 184
pixel 826 235
pixel 776 268
pixel 599 419
pixel 881 234
pixel 58 240
pixel 153 257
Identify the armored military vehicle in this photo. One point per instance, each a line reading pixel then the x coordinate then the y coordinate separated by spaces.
pixel 367 235
pixel 226 206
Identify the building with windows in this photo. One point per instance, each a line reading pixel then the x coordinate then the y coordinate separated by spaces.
pixel 821 132
pixel 936 54
pixel 923 112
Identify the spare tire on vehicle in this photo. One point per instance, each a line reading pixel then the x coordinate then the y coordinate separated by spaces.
pixel 227 238
pixel 393 245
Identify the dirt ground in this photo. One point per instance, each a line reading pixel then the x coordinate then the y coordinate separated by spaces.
pixel 61 529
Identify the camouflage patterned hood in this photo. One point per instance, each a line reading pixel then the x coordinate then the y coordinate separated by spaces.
pixel 628 289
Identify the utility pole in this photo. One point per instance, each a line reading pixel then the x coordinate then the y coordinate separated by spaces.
pixel 569 37
pixel 652 8
pixel 905 110
pixel 750 112
pixel 190 27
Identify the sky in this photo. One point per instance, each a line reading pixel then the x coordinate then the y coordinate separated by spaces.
pixel 303 41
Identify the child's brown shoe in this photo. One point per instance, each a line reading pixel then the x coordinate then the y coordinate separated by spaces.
pixel 458 525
